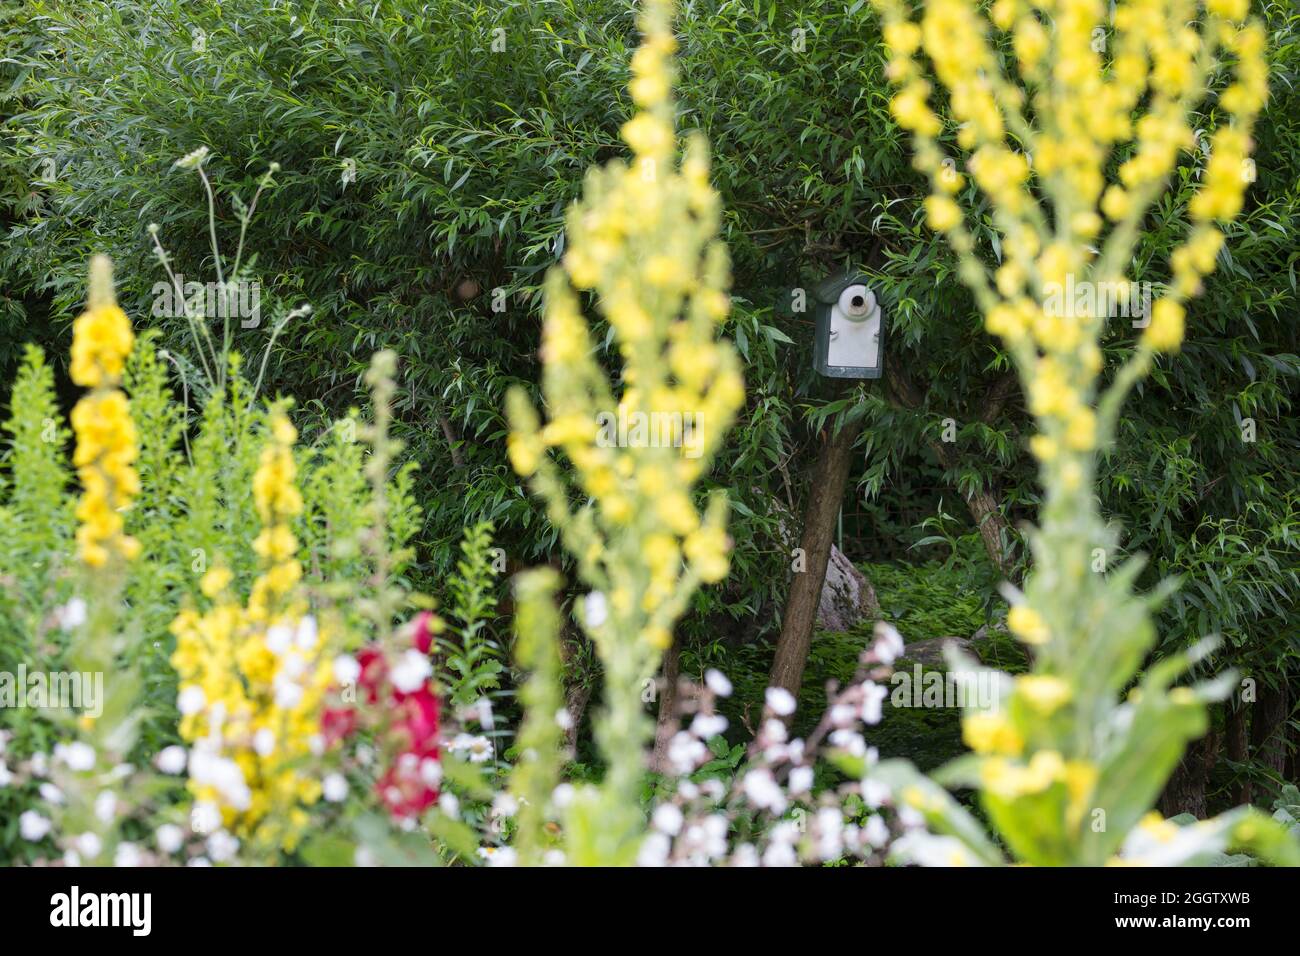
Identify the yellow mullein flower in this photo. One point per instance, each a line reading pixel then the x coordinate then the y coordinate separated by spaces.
pixel 1044 693
pixel 101 421
pixel 1165 332
pixel 644 239
pixel 992 733
pixel 1028 625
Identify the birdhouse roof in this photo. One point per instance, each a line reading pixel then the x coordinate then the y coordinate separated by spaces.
pixel 828 290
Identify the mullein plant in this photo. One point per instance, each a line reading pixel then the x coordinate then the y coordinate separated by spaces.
pixel 643 241
pixel 253 677
pixel 1070 141
pixel 90 765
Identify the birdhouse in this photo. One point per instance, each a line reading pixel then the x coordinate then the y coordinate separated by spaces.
pixel 850 328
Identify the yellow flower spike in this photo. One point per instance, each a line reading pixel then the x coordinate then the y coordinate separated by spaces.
pixel 101 422
pixel 1044 693
pixel 1028 625
pixel 1081 433
pixel 1044 448
pixel 707 550
pixel 216 580
pixel 644 238
pixel 992 733
pixel 1229 9
pixel 942 213
pixel 1165 332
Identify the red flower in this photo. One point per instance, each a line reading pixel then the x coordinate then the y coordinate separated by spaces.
pixel 374 671
pixel 338 723
pixel 423 636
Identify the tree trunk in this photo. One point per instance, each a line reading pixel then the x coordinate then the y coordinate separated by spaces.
pixel 983 504
pixel 577 687
pixel 1268 727
pixel 1236 733
pixel 829 478
pixel 1185 791
pixel 667 723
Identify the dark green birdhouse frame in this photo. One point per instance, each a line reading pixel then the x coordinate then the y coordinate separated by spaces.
pixel 850 338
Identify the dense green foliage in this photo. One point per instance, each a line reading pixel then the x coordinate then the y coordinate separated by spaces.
pixel 421 171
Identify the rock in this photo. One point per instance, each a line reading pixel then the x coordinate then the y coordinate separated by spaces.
pixel 929 653
pixel 847 596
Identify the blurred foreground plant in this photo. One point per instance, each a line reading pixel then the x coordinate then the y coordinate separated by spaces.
pixel 1066 771
pixel 644 240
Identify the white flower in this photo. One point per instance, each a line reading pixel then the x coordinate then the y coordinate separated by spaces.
pixel 504 805
pixel 192 159
pixel 717 682
pixel 288 695
pixel 873 696
pixel 654 850
pixel 762 790
pixel 449 805
pixel 199 861
pixel 874 793
pixel 4 740
pixel 780 854
pixel 715 829
pixel 411 671
pixel 39 764
pixel 77 755
pixel 564 719
pixel 105 806
pixel 774 731
pixel 294 665
pixel 32 826
pixel 842 715
pixel 504 856
pixel 191 699
pixel 910 817
pixel 71 858
pixel 926 849
pixel 595 609
pixel 346 669
pixel 50 793
pixel 667 818
pixel 222 846
pixel 876 831
pixel 71 615
pixel 279 638
pixel 335 788
pixel 479 748
pixel 126 855
pixel 205 817
pixel 685 752
pixel 169 837
pixel 364 857
pixel 264 742
pixel 483 713
pixel 707 726
pixel 6 777
pixel 172 759
pixel 562 796
pixel 553 858
pixel 801 780
pixel 306 635
pixel 89 844
pixel 430 772
pixel 830 827
pixel 889 643
pixel 745 856
pixel 780 701
pixel 849 741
